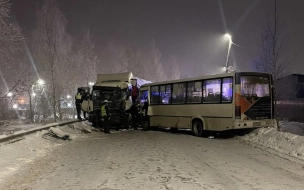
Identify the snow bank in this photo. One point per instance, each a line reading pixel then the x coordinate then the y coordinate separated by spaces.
pixel 22 151
pixel 282 142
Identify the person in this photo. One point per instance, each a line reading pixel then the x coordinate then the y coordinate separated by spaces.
pixel 85 96
pixel 78 101
pixel 135 93
pixel 105 116
pixel 134 112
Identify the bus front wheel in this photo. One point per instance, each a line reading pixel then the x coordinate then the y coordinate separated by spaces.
pixel 198 128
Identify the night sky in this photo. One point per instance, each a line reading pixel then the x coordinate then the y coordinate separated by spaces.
pixel 191 30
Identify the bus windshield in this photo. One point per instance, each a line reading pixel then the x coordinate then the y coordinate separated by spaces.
pixel 255 86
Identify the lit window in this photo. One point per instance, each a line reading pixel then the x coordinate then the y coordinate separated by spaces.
pixel 212 89
pixel 227 90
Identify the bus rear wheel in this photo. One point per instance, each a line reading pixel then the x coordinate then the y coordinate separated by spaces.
pixel 198 128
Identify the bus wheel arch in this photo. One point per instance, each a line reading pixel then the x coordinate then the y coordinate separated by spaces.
pixel 198 127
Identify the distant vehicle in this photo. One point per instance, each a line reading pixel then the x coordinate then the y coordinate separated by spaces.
pixel 220 102
pixel 116 88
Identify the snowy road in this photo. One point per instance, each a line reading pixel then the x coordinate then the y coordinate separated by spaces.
pixel 157 160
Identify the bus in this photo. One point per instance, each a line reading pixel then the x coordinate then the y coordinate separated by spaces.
pixel 240 100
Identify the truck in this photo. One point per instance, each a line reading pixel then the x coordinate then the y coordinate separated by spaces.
pixel 116 88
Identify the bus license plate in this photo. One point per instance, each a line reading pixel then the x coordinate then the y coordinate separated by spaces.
pixel 257 124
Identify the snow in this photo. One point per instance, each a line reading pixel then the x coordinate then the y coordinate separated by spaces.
pixel 17 153
pixel 156 160
pixel 288 141
pixel 10 126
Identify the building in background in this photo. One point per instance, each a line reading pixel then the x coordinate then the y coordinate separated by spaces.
pixel 290 88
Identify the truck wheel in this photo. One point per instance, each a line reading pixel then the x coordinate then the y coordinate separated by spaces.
pixel 197 128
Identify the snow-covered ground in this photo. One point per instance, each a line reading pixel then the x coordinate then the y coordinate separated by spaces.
pixel 289 140
pixel 17 153
pixel 11 126
pixel 145 160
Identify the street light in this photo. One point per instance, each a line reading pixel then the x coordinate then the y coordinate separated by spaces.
pixel 40 81
pixel 15 106
pixel 68 96
pixel 91 83
pixel 10 94
pixel 229 37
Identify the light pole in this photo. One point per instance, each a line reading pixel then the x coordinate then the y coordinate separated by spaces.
pixel 229 37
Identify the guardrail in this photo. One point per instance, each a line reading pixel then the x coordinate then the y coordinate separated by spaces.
pixel 20 133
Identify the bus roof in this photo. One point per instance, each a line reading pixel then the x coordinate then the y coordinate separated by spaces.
pixel 204 77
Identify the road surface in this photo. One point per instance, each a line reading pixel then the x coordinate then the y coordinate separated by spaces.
pixel 157 160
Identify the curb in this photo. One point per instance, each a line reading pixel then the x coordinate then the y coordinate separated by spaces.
pixel 4 138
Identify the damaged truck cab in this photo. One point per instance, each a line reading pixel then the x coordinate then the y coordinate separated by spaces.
pixel 116 88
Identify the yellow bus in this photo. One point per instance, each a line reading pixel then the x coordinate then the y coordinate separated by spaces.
pixel 241 100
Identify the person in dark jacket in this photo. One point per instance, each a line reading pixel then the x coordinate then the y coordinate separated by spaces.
pixel 78 101
pixel 105 116
pixel 135 115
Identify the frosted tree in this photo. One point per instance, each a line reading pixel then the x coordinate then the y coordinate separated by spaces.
pixel 53 51
pixel 11 41
pixel 155 69
pixel 88 59
pixel 10 33
pixel 174 71
pixel 119 58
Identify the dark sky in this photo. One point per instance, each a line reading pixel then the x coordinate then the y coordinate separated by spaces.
pixel 191 30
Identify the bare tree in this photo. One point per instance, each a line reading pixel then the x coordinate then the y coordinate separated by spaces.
pixel 174 72
pixel 10 33
pixel 155 69
pixel 273 58
pixel 87 58
pixel 54 46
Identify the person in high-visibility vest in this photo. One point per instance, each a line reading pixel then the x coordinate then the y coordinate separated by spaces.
pixel 105 116
pixel 78 101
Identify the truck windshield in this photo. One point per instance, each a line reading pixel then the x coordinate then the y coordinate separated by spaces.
pixel 255 86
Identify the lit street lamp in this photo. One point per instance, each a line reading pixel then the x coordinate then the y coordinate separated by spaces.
pixel 229 37
pixel 68 96
pixel 91 83
pixel 40 81
pixel 10 94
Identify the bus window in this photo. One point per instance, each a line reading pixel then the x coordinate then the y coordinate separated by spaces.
pixel 154 95
pixel 227 90
pixel 194 92
pixel 212 89
pixel 254 86
pixel 165 94
pixel 179 93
